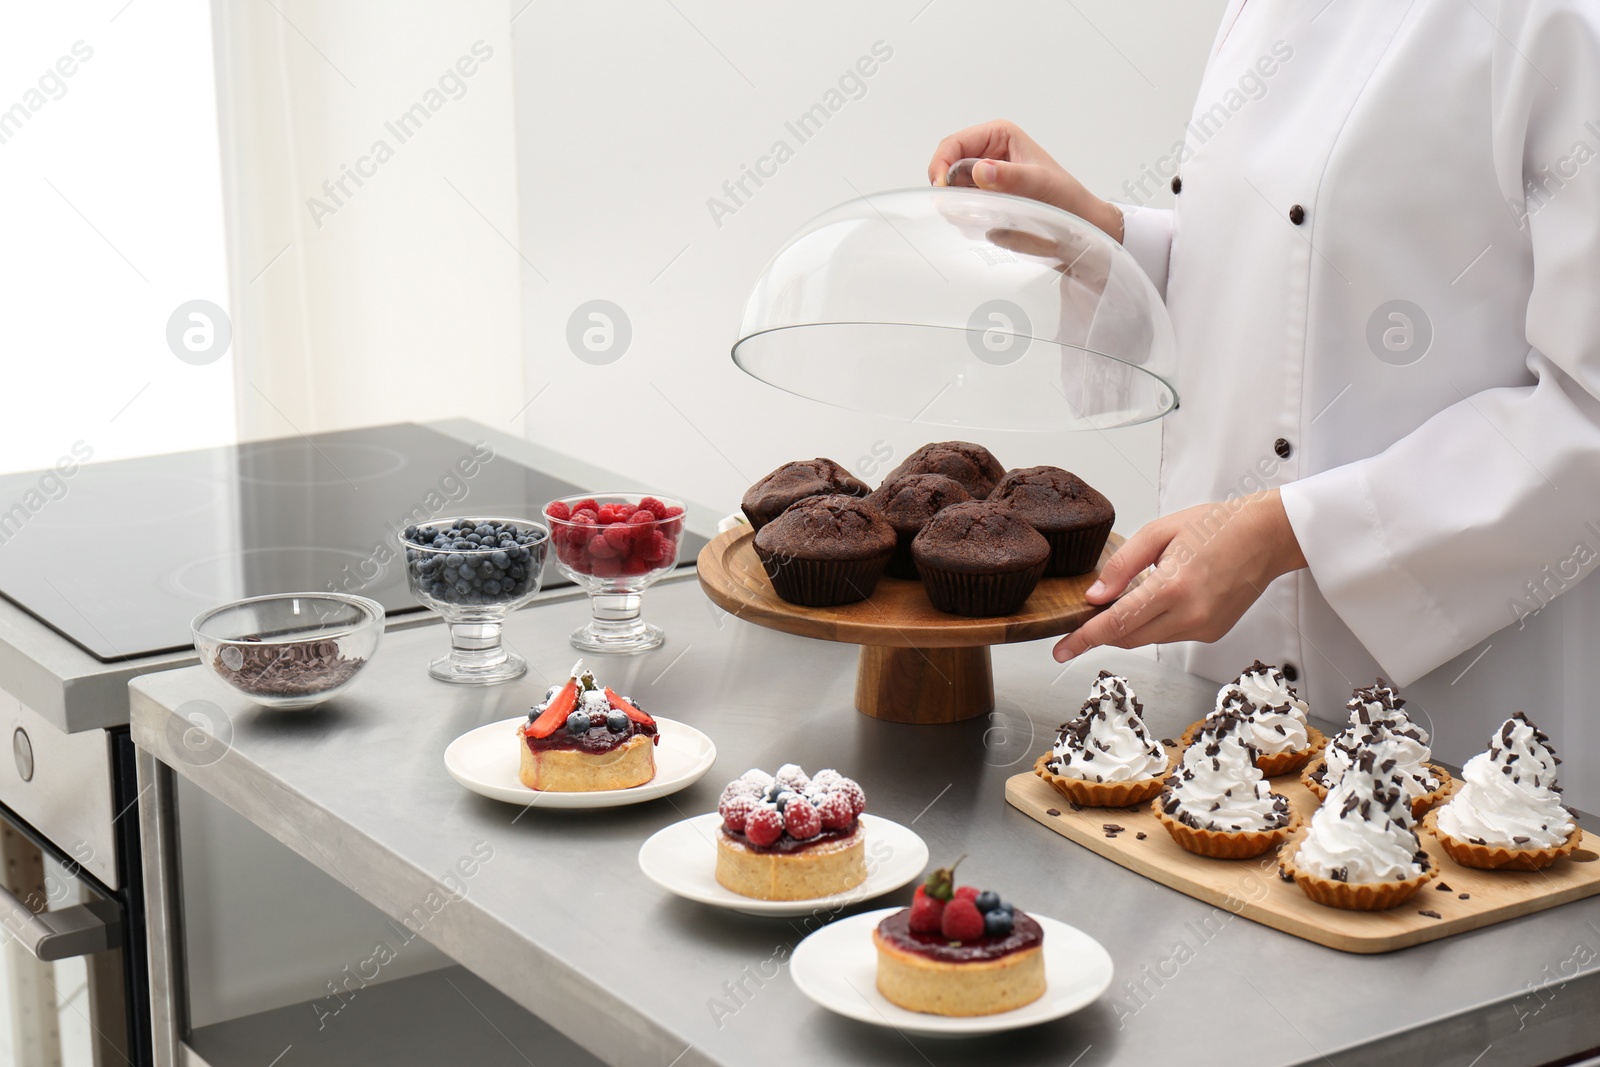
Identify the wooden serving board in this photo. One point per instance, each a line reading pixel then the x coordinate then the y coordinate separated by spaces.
pixel 1252 888
pixel 897 615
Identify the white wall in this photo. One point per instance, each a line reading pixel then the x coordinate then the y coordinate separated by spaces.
pixel 627 125
pixel 113 218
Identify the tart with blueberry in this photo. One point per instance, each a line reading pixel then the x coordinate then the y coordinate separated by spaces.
pixel 959 951
pixel 789 836
pixel 585 738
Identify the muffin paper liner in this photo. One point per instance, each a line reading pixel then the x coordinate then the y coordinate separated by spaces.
pixel 1075 551
pixel 1498 858
pixel 1419 803
pixel 822 583
pixel 901 565
pixel 1351 896
pixel 1102 794
pixel 1278 763
pixel 980 595
pixel 1224 844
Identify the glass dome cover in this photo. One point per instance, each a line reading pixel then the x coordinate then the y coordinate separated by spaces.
pixel 961 307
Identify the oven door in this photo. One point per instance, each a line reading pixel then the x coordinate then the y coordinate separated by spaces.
pixel 63 986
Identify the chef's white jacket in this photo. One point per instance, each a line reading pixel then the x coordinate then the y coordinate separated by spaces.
pixel 1439 459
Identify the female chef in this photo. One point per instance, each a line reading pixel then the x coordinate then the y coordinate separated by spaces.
pixel 1382 268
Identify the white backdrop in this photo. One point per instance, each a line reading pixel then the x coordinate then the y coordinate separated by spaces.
pixel 629 125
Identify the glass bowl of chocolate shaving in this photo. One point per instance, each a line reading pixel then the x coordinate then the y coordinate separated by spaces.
pixel 289 650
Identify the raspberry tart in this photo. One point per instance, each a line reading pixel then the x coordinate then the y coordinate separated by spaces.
pixel 959 951
pixel 585 738
pixel 789 836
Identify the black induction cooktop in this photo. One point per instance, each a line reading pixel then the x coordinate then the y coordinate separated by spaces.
pixel 118 557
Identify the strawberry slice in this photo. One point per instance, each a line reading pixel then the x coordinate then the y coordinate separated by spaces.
pixel 628 709
pixel 554 716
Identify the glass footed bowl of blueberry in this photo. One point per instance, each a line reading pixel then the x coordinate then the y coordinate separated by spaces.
pixel 615 546
pixel 474 572
pixel 289 650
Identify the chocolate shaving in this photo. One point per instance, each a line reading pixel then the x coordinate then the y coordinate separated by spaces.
pixel 1052 811
pixel 1430 914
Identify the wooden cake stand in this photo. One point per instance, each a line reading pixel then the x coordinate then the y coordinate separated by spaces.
pixel 918 664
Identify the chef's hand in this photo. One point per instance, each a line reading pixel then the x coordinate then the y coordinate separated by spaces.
pixel 1210 564
pixel 1014 163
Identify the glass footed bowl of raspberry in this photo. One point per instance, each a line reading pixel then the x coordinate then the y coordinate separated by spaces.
pixel 474 572
pixel 615 546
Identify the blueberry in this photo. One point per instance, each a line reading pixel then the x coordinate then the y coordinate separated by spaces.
pixel 500 560
pixel 465 572
pixel 997 923
pixel 616 722
pixel 518 571
pixel 987 901
pixel 437 590
pixel 577 722
pixel 460 545
pixel 462 587
pixel 484 530
pixel 454 559
pixel 486 569
pixel 491 587
pixel 409 533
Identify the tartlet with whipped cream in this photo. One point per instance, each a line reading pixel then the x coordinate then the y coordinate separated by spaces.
pixel 1360 851
pixel 1105 757
pixel 1508 814
pixel 1275 719
pixel 1217 802
pixel 1378 722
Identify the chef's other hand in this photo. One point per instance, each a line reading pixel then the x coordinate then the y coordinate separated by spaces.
pixel 1210 564
pixel 1012 162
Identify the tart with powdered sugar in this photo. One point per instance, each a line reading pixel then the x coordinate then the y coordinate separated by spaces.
pixel 790 836
pixel 585 738
pixel 1217 802
pixel 1508 814
pixel 1275 719
pixel 1105 757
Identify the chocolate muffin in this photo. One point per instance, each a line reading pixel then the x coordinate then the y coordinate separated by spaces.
pixel 1074 517
pixel 971 465
pixel 908 502
pixel 826 550
pixel 766 500
pixel 979 558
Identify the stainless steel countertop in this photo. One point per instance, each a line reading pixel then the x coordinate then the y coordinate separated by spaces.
pixel 74 691
pixel 562 921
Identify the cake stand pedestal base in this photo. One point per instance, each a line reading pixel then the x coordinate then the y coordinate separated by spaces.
pixel 924 685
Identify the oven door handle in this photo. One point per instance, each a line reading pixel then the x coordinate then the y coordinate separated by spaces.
pixel 80 930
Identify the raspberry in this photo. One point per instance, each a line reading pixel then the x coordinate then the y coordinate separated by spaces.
pixel 600 548
pixel 926 913
pixel 967 892
pixel 858 799
pixel 586 516
pixel 670 513
pixel 801 819
pixel 764 826
pixel 835 811
pixel 586 504
pixel 793 776
pixel 652 505
pixel 961 921
pixel 619 538
pixel 637 565
pixel 741 787
pixel 825 779
pixel 605 568
pixel 640 517
pixel 736 810
pixel 654 546
pixel 624 511
pixel 757 778
pixel 608 514
pixel 558 509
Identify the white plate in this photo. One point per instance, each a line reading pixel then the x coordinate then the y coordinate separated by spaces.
pixel 485 760
pixel 682 859
pixel 838 966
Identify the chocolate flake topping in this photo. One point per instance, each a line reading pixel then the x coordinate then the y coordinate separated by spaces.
pixel 1430 914
pixel 1052 811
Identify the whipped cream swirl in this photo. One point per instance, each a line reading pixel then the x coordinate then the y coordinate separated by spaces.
pixel 1217 786
pixel 1264 686
pixel 1269 728
pixel 1511 798
pixel 1399 747
pixel 1362 832
pixel 1379 702
pixel 1108 741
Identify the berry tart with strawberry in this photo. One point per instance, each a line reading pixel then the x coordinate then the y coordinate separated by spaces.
pixel 585 738
pixel 789 836
pixel 959 951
